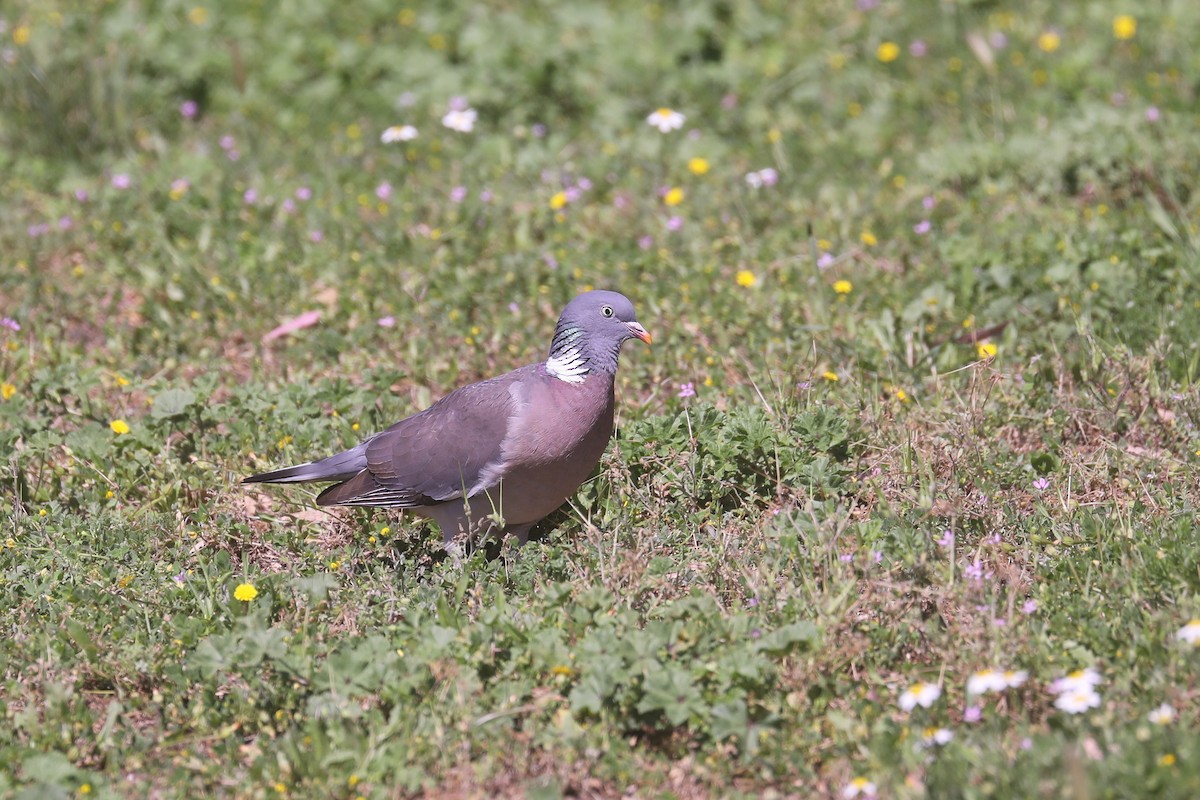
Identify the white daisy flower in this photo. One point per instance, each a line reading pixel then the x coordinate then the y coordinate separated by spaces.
pixel 461 120
pixel 984 681
pixel 666 120
pixel 859 787
pixel 935 737
pixel 1077 700
pixel 1189 633
pixel 1014 678
pixel 920 694
pixel 398 133
pixel 1163 715
pixel 1087 679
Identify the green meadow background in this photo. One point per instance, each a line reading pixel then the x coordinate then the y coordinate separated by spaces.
pixel 923 283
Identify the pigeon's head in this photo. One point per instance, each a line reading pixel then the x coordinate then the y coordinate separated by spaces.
pixel 590 333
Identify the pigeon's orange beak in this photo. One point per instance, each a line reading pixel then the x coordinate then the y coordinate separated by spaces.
pixel 640 332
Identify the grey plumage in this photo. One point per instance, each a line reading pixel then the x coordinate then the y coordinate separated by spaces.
pixel 498 454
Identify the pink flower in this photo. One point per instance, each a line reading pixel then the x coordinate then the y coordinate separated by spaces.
pixel 10 323
pixel 674 223
pixel 687 390
pixel 383 191
pixel 250 197
pixel 1029 606
pixel 315 236
pixel 1153 114
pixel 303 193
pixel 923 227
pixel 825 261
pixel 121 181
pixel 918 48
pixel 189 109
pixel 458 194
pixel 386 322
pixel 227 142
pixel 972 714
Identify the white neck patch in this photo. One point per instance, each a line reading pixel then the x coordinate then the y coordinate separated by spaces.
pixel 568 365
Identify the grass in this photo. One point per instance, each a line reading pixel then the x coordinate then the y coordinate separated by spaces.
pixel 978 451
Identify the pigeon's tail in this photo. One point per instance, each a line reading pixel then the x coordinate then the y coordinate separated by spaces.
pixel 340 467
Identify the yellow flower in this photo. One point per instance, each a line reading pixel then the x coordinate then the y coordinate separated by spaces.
pixel 558 200
pixel 843 286
pixel 1167 760
pixel 673 197
pixel 198 15
pixel 85 788
pixel 1049 41
pixel 901 395
pixel 119 426
pixel 1124 27
pixel 334 564
pixel 561 669
pixel 110 494
pixel 868 239
pixel 245 592
pixel 986 350
pixel 888 52
pixel 21 38
pixel 385 530
pixel 746 278
pixel 698 165
pixel 830 376
pixel 7 390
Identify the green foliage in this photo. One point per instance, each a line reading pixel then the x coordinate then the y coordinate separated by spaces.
pixel 939 412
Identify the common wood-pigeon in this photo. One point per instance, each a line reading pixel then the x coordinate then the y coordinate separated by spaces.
pixel 501 454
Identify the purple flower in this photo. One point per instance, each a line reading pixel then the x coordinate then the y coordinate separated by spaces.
pixel 315 236
pixel 10 323
pixel 303 193
pixel 386 322
pixel 687 390
pixel 383 191
pixel 485 196
pixel 81 195
pixel 918 48
pixel 513 307
pixel 769 176
pixel 877 556
pixel 927 202
pixel 997 40
pixel 1153 114
pixel 37 230
pixel 584 184
pixel 120 181
pixel 458 194
pixel 550 260
pixel 1041 483
pixel 180 185
pixel 181 577
pixel 65 223
pixel 249 197
pixel 976 572
pixel 825 261
pixel 189 109
pixel 803 385
pixel 288 205
pixel 923 227
pixel 1029 606
pixel 538 130
pixel 674 223
pixel 572 193
pixel 846 558
pixel 233 155
pixel 867 5
pixel 646 242
pixel 947 539
pixel 729 101
pixel 753 601
pixel 227 142
pixel 458 103
pixel 999 622
pixel 972 714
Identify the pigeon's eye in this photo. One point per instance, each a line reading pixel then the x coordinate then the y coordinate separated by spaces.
pixel 606 311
